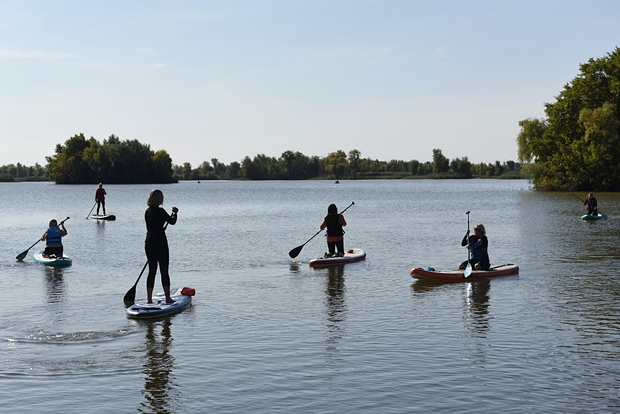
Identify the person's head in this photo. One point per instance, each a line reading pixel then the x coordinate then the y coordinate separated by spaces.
pixel 479 229
pixel 156 198
pixel 52 223
pixel 100 185
pixel 591 195
pixel 332 209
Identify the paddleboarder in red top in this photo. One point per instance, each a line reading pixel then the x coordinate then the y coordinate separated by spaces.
pixel 100 198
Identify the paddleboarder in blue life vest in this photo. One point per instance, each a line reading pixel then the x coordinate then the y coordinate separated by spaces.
pixel 334 223
pixel 100 198
pixel 478 246
pixel 53 239
pixel 156 243
pixel 592 205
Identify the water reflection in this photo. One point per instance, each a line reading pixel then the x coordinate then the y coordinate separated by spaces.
pixel 159 386
pixel 54 284
pixel 336 308
pixel 476 306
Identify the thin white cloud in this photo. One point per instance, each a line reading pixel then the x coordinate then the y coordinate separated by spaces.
pixel 34 54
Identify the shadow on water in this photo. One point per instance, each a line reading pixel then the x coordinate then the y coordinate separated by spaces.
pixel 160 390
pixel 335 308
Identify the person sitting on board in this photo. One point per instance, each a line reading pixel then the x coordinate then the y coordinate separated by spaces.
pixel 335 234
pixel 478 245
pixel 100 198
pixel 592 205
pixel 53 239
pixel 156 243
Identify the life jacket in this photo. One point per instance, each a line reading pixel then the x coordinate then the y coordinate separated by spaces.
pixel 53 236
pixel 334 228
pixel 591 202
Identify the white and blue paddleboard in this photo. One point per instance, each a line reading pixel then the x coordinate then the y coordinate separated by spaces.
pixel 159 307
pixel 52 261
pixel 351 255
pixel 593 217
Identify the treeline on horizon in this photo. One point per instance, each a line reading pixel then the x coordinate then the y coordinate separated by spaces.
pixel 86 161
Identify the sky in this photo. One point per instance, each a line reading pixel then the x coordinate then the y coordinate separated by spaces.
pixel 228 79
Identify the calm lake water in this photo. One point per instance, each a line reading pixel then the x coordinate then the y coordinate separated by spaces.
pixel 267 334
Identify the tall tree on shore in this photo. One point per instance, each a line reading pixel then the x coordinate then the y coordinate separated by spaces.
pixel 82 161
pixel 577 147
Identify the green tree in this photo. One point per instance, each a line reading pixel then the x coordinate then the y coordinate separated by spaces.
pixel 576 146
pixel 81 161
pixel 336 163
pixel 440 162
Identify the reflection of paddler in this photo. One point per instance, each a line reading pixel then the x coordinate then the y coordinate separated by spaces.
pixel 100 198
pixel 158 368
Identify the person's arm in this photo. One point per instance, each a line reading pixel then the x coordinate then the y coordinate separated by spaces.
pixel 172 219
pixel 44 236
pixel 342 221
pixel 63 230
pixel 464 242
pixel 324 223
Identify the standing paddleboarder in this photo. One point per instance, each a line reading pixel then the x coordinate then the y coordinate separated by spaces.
pixel 156 243
pixel 100 198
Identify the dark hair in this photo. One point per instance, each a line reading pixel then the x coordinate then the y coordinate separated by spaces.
pixel 332 209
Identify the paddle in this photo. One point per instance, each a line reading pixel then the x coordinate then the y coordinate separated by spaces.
pixel 468 269
pixel 130 296
pixel 91 210
pixel 23 254
pixel 579 198
pixel 295 252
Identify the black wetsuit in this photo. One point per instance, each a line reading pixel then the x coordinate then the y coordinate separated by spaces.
pixel 156 244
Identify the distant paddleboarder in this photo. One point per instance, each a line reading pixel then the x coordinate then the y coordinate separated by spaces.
pixel 100 198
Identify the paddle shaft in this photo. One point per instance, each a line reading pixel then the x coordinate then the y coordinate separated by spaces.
pixel 293 253
pixel 579 199
pixel 468 269
pixel 468 252
pixel 91 210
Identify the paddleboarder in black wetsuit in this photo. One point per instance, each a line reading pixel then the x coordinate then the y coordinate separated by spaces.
pixel 478 244
pixel 335 234
pixel 156 243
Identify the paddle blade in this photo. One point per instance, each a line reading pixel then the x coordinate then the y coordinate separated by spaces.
pixel 467 271
pixel 22 255
pixel 295 252
pixel 130 296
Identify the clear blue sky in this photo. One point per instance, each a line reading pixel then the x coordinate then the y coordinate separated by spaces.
pixel 226 79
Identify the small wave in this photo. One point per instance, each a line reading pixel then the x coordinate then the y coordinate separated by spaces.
pixel 41 337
